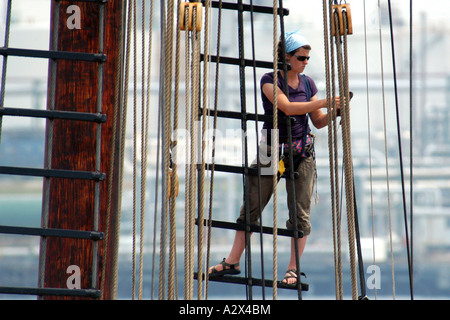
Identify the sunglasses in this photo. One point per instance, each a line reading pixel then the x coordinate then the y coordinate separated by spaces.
pixel 301 58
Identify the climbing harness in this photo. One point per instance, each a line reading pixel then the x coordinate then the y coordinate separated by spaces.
pixel 300 148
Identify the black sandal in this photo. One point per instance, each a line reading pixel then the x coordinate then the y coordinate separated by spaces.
pixel 291 274
pixel 228 268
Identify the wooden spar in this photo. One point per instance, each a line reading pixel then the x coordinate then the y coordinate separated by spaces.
pixel 71 201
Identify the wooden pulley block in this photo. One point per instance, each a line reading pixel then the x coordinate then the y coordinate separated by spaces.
pixel 190 8
pixel 341 10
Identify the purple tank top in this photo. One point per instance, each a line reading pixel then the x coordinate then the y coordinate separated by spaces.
pixel 295 95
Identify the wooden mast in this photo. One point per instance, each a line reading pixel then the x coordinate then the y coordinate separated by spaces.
pixel 71 201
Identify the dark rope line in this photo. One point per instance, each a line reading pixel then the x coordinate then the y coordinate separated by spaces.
pixel 362 280
pixel 258 163
pixel 291 159
pixel 248 260
pixel 213 152
pixel 411 135
pixel 400 152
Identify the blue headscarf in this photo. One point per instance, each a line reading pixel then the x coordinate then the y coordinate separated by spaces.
pixel 294 40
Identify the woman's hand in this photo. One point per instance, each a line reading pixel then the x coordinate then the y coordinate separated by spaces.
pixel 338 103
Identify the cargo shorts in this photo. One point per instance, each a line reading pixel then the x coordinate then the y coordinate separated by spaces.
pixel 304 186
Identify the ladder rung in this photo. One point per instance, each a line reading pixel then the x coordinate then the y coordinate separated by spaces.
pixel 230 169
pixel 238 115
pixel 235 169
pixel 244 116
pixel 90 293
pixel 54 114
pixel 50 232
pixel 253 228
pixel 253 281
pixel 247 7
pixel 53 173
pixel 244 62
pixel 65 55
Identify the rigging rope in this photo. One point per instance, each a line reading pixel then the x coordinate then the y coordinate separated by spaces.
pixel 132 37
pixel 173 287
pixel 119 110
pixel 346 138
pixel 258 162
pixel 340 26
pixel 405 216
pixel 202 169
pixel 275 154
pixel 213 152
pixel 144 149
pixel 411 133
pixel 386 152
pixel 133 261
pixel 158 151
pixel 193 80
pixel 332 145
pixel 125 96
pixel 168 56
pixel 187 255
pixel 370 142
pixel 291 158
pixel 192 102
pixel 193 145
pixel 192 115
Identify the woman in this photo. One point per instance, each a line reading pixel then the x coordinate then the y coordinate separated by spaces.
pixel 296 105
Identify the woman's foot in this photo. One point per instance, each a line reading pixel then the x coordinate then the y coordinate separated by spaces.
pixel 224 268
pixel 290 278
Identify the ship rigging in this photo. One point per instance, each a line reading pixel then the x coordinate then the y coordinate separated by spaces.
pixel 92 88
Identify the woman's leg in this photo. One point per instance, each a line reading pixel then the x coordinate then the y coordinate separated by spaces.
pixel 265 192
pixel 304 187
pixel 236 251
pixel 293 261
